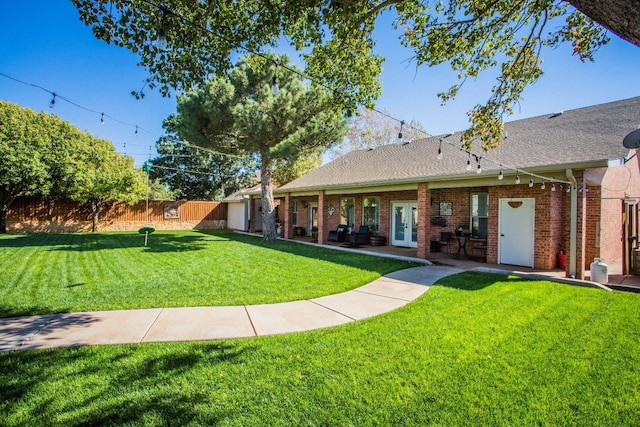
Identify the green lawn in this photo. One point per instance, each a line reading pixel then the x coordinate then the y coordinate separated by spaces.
pixel 477 349
pixel 50 273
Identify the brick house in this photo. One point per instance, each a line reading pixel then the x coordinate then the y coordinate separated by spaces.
pixel 559 181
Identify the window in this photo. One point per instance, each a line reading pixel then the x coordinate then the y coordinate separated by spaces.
pixel 371 213
pixel 347 211
pixel 479 215
pixel 294 217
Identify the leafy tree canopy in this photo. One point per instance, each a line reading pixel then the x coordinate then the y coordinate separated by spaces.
pixel 337 38
pixel 373 129
pixel 102 176
pixel 241 115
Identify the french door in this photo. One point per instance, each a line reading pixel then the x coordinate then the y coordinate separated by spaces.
pixel 404 224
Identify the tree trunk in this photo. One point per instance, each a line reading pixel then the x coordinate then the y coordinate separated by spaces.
pixel 4 210
pixel 3 218
pixel 621 17
pixel 95 215
pixel 268 205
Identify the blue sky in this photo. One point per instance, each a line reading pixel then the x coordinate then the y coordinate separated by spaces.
pixel 43 42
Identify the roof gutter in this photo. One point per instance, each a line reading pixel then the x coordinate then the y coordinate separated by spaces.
pixel 573 227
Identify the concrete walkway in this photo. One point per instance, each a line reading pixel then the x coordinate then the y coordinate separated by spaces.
pixel 210 323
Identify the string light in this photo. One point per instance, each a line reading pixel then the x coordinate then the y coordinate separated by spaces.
pixel 553 186
pixel 500 175
pixel 530 183
pixel 543 186
pixel 53 100
pixel 161 40
pixel 469 162
pixel 102 119
pixel 136 132
pixel 517 178
pixel 275 83
pixel 440 155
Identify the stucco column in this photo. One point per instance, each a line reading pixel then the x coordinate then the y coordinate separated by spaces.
pixel 424 225
pixel 286 227
pixel 322 234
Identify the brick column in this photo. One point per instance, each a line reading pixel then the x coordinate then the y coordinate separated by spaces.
pixel 424 225
pixel 581 263
pixel 322 233
pixel 286 227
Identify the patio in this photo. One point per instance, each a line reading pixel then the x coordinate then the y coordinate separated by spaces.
pixel 617 280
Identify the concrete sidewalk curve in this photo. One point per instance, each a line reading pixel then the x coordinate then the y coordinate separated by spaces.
pixel 210 323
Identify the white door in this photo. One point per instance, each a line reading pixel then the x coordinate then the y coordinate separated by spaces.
pixel 516 223
pixel 404 224
pixel 237 216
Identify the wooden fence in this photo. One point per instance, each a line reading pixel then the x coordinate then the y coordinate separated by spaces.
pixel 30 215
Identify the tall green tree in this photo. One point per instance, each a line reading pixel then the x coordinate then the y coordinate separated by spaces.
pixel 338 42
pixel 286 170
pixel 24 148
pixel 194 174
pixel 241 114
pixel 37 155
pixel 103 177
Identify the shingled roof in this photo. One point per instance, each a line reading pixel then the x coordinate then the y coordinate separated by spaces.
pixel 585 137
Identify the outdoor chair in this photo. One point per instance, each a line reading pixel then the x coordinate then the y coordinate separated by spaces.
pixel 444 241
pixel 480 250
pixel 338 235
pixel 359 238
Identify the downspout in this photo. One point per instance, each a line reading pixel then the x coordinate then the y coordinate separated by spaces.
pixel 573 225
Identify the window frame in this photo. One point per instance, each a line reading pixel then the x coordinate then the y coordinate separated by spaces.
pixel 294 214
pixel 348 212
pixel 476 225
pixel 376 206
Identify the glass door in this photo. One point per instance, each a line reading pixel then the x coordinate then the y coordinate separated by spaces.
pixel 404 224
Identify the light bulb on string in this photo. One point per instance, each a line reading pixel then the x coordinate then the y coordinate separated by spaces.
pixel 469 163
pixel 440 155
pixel 136 132
pixel 350 118
pixel 517 179
pixel 543 186
pixel 568 188
pixel 553 186
pixel 53 101
pixel 400 133
pixel 500 175
pixel 102 119
pixel 275 83
pixel 479 169
pixel 161 41
pixel 530 183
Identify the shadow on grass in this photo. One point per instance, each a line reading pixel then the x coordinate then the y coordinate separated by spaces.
pixel 83 242
pixel 131 384
pixel 364 262
pixel 476 280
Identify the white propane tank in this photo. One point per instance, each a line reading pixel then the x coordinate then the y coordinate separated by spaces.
pixel 599 271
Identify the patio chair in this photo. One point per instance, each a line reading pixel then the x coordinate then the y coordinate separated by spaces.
pixel 359 238
pixel 444 241
pixel 338 235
